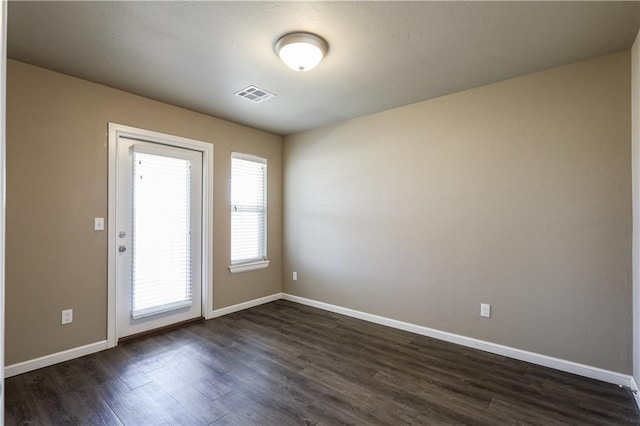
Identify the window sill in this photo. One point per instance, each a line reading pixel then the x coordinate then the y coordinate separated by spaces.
pixel 246 267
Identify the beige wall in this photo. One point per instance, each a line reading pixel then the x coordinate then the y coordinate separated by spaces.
pixel 516 194
pixel 57 183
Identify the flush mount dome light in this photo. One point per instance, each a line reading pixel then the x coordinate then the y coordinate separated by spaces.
pixel 301 51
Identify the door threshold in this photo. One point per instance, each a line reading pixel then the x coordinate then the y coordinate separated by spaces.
pixel 160 330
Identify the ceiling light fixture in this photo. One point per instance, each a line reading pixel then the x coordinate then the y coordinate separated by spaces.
pixel 301 51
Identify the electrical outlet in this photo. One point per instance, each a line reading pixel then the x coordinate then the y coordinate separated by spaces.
pixel 485 310
pixel 67 316
pixel 295 276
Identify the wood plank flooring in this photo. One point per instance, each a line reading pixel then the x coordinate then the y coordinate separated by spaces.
pixel 289 364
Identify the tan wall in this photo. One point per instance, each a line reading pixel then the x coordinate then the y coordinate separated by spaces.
pixel 516 194
pixel 57 183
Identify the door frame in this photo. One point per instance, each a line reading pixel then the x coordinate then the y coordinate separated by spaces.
pixel 206 148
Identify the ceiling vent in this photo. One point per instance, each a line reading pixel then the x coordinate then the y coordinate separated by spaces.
pixel 254 94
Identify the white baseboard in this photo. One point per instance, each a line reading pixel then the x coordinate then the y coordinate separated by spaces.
pixel 519 354
pixel 532 357
pixel 244 305
pixel 48 360
pixel 635 390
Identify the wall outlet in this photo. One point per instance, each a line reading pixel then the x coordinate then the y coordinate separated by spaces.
pixel 295 276
pixel 98 223
pixel 67 316
pixel 485 310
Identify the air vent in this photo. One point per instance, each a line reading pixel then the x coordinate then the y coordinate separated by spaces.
pixel 254 94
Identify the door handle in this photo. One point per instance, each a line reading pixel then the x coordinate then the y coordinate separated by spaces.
pixel 122 249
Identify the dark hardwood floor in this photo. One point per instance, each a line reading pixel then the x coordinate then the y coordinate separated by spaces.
pixel 284 363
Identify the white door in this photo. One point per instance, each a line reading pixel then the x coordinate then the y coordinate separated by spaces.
pixel 158 242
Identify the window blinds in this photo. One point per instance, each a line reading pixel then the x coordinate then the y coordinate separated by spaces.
pixel 161 249
pixel 248 209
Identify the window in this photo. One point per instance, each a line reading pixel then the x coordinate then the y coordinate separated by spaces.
pixel 161 263
pixel 248 213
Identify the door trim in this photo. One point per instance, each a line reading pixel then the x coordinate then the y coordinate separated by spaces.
pixel 115 131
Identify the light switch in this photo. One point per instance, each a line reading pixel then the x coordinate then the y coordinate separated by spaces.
pixel 98 224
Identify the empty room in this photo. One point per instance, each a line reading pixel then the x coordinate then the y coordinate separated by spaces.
pixel 287 213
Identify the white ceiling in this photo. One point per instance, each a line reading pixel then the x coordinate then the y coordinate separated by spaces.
pixel 381 54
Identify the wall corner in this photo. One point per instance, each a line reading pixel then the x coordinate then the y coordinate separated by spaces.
pixel 635 191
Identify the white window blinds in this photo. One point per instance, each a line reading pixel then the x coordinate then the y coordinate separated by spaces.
pixel 248 209
pixel 161 249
